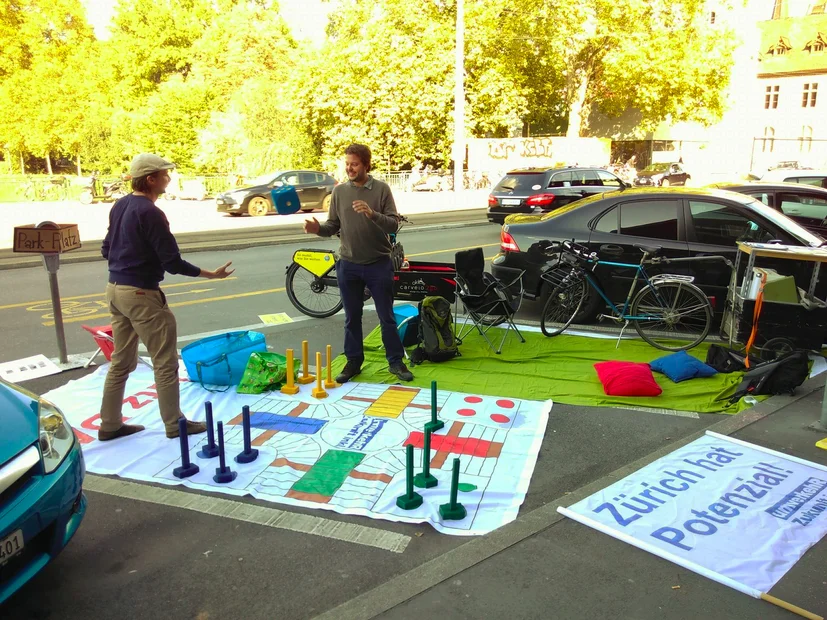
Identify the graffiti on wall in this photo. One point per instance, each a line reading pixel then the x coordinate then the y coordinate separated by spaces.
pixel 526 147
pixel 502 153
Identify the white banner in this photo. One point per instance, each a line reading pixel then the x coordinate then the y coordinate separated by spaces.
pixel 735 512
pixel 344 453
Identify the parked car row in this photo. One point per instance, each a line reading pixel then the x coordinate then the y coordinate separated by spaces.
pixel 683 222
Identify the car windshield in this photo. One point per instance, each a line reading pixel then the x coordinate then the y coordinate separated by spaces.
pixel 264 179
pixel 521 182
pixel 789 225
pixel 656 168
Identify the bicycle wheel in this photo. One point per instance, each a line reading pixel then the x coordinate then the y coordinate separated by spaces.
pixel 311 295
pixel 563 304
pixel 677 315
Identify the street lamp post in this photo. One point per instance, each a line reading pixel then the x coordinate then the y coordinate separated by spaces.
pixel 459 98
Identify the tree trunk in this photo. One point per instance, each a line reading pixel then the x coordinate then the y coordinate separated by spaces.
pixel 48 163
pixel 22 164
pixel 578 110
pixel 78 162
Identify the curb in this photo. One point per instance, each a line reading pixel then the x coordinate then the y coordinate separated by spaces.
pixel 406 586
pixel 239 239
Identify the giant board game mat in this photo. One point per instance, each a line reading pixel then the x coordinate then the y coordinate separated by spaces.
pixel 344 453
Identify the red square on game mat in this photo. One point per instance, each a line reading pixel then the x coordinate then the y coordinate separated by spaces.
pixel 627 379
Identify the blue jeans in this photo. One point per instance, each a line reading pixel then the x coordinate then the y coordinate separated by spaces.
pixel 378 278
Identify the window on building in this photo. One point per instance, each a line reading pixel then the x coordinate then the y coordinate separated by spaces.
pixel 809 95
pixel 768 141
pixel 817 45
pixel 818 8
pixel 805 142
pixel 780 48
pixel 712 17
pixel 771 97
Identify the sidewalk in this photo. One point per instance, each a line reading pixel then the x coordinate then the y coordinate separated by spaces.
pixel 190 216
pixel 547 566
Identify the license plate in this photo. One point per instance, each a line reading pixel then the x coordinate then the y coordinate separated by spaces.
pixel 10 546
pixel 511 201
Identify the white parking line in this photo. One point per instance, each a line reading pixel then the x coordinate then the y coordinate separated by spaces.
pixel 250 513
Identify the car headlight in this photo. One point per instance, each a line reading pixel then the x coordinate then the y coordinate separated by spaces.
pixel 56 436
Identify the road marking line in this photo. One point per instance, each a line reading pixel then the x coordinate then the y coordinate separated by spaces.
pixel 250 513
pixel 470 247
pixel 193 291
pixel 92 295
pixel 177 304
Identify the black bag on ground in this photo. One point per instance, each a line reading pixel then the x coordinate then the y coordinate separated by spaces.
pixel 780 376
pixel 726 360
pixel 436 332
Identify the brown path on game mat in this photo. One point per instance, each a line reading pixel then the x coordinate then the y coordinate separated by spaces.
pixel 297 466
pixel 439 459
pixel 378 477
pixel 308 497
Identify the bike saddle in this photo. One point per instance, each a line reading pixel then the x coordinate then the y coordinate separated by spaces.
pixel 649 249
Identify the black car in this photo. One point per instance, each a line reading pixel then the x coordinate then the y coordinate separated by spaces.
pixel 532 190
pixel 662 175
pixel 683 222
pixel 314 189
pixel 806 204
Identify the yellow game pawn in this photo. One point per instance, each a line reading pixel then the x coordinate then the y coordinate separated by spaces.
pixel 290 387
pixel 305 377
pixel 329 382
pixel 318 391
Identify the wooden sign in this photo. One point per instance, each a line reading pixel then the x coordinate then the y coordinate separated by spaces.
pixel 46 239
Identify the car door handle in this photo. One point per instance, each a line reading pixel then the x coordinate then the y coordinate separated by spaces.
pixel 614 250
pixel 583 192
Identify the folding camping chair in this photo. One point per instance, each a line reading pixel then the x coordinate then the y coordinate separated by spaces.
pixel 487 301
pixel 106 344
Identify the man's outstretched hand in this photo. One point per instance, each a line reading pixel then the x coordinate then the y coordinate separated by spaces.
pixel 220 273
pixel 311 226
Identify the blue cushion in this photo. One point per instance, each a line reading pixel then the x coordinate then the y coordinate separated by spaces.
pixel 681 366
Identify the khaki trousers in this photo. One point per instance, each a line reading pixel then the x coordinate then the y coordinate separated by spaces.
pixel 141 313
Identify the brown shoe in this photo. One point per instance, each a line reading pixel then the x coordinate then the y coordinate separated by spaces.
pixel 193 428
pixel 124 431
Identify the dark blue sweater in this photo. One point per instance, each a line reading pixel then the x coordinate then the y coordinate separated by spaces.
pixel 139 245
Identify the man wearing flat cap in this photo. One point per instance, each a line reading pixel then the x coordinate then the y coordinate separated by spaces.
pixel 140 248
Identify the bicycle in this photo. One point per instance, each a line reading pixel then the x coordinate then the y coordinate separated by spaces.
pixel 669 307
pixel 311 283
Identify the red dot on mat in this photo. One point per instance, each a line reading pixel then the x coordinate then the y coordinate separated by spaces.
pixel 473 399
pixel 505 404
pixel 500 418
pixel 467 412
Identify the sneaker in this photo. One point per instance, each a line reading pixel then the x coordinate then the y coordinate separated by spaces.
pixel 124 431
pixel 400 370
pixel 350 370
pixel 193 428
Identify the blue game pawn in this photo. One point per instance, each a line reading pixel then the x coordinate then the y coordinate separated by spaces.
pixel 223 474
pixel 209 450
pixel 250 454
pixel 187 469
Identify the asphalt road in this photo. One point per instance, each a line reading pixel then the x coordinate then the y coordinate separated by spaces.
pixel 139 557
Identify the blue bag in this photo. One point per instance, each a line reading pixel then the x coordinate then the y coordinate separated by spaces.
pixel 285 199
pixel 221 360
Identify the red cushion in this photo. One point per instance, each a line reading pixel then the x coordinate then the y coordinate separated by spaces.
pixel 627 379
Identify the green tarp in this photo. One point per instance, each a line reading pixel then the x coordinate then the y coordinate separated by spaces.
pixel 559 368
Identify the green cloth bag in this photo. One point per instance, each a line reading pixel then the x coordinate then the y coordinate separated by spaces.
pixel 265 372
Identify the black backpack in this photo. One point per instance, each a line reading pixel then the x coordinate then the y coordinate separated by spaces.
pixel 436 332
pixel 727 360
pixel 780 376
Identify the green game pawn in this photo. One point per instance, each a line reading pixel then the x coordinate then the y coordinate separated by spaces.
pixel 435 424
pixel 453 510
pixel 425 479
pixel 410 499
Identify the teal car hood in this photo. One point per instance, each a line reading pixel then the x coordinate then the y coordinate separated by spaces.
pixel 18 421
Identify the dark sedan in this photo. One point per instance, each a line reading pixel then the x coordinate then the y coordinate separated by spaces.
pixel 683 222
pixel 539 190
pixel 662 175
pixel 806 204
pixel 314 189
